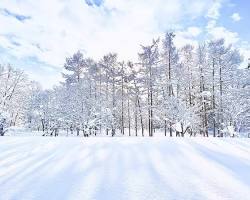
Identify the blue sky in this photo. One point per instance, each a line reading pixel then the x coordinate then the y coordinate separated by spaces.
pixel 37 36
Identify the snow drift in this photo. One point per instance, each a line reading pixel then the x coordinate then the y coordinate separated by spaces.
pixel 124 168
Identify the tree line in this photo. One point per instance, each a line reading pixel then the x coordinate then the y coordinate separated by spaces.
pixel 194 90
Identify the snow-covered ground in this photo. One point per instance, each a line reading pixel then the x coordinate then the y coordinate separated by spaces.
pixel 61 168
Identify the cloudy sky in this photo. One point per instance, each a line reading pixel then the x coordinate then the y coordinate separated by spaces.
pixel 37 35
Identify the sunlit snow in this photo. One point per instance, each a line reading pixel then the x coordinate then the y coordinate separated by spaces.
pixel 42 168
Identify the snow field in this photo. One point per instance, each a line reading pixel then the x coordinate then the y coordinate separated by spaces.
pixel 41 168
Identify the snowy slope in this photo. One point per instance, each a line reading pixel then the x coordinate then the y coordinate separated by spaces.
pixel 47 168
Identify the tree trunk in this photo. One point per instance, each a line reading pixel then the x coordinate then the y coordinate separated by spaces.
pixel 170 129
pixel 122 126
pixel 136 126
pixel 213 100
pixel 221 110
pixel 165 127
pixel 129 125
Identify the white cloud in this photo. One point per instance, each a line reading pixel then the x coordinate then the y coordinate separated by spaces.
pixel 187 36
pixel 216 32
pixel 236 17
pixel 214 10
pixel 58 28
pixel 194 31
pixel 191 31
pixel 245 51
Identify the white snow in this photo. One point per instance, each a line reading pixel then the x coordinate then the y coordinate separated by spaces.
pixel 177 127
pixel 44 168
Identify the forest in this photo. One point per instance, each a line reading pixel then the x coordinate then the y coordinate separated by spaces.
pixel 193 91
